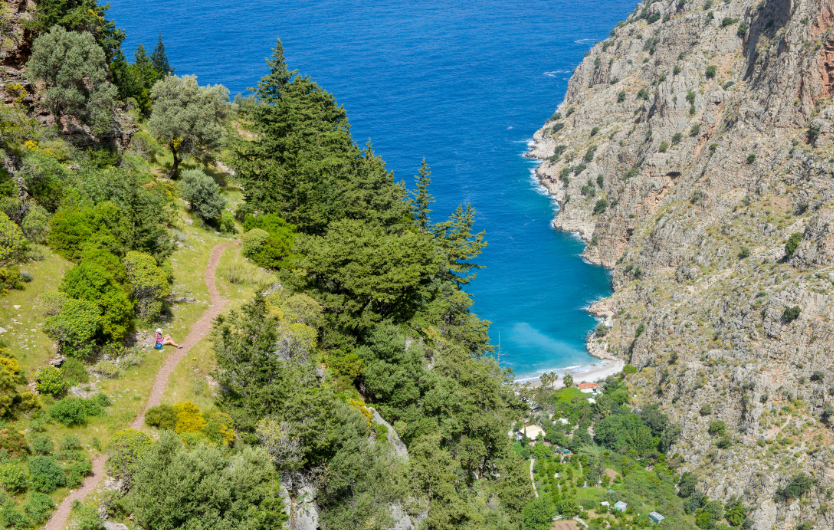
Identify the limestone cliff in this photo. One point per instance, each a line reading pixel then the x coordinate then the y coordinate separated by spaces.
pixel 690 145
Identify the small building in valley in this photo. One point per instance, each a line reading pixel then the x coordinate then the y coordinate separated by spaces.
pixel 589 388
pixel 656 517
pixel 533 431
pixel 620 506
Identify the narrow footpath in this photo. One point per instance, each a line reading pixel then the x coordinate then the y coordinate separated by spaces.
pixel 198 332
pixel 533 478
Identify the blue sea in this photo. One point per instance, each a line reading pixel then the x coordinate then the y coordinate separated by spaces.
pixel 463 85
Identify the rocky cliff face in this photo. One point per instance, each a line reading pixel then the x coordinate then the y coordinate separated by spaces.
pixel 690 146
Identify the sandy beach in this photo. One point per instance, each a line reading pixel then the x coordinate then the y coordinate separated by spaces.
pixel 597 372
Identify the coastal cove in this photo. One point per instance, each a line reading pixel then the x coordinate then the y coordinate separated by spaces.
pixel 463 87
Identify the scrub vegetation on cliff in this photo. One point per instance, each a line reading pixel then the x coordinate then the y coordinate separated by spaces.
pixel 713 125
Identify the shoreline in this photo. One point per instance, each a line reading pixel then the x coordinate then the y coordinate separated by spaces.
pixel 597 371
pixel 606 365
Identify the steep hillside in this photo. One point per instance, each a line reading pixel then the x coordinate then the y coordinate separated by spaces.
pixel 690 146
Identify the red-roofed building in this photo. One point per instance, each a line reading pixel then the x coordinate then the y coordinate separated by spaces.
pixel 588 388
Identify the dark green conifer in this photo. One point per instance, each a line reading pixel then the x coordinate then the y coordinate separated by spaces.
pixel 270 86
pixel 160 59
pixel 422 198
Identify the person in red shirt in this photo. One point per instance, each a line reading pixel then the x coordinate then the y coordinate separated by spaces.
pixel 161 341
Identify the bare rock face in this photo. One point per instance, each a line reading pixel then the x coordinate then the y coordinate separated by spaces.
pixel 690 145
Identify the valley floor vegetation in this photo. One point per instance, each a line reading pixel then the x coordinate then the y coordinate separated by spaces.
pixel 596 451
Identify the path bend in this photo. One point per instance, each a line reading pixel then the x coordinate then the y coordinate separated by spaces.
pixel 198 332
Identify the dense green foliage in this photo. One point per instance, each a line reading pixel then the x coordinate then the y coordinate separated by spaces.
pixel 204 488
pixel 304 166
pixel 202 194
pixel 268 241
pixel 74 69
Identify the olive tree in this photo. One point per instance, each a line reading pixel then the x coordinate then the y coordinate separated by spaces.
pixel 73 69
pixel 186 117
pixel 203 194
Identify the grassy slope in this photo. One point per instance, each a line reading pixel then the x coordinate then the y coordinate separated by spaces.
pixel 129 392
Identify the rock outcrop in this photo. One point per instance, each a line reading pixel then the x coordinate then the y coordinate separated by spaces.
pixel 690 146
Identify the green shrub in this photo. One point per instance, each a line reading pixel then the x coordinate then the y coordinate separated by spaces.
pixel 36 225
pixel 161 417
pixel 202 193
pixel 538 513
pixel 125 452
pixel 150 284
pixel 70 443
pixel 706 409
pixel 724 442
pixel 742 29
pixel 817 376
pixel 11 240
pixel 792 244
pixel 601 329
pixel 751 158
pixel 39 507
pixel 600 206
pixel 50 380
pixel 744 252
pixel 629 369
pixel 75 372
pixel 711 71
pixel 727 21
pixel 589 154
pixel 75 411
pixel 727 85
pixel 227 222
pixel 695 130
pixel 13 477
pixel 791 313
pixel 663 147
pixel 45 180
pixel 600 180
pixel 74 327
pixel 70 412
pixel 45 475
pixel 717 428
pixel 798 486
pixel 676 138
pixel 686 486
pixel 677 69
pixel 253 240
pixel 76 472
pixel 621 96
pixel 144 145
pixel 42 444
pixel 594 132
pixel 10 278
pixel 643 94
pixel 86 518
pixel 275 251
pixel 108 368
pixel 93 283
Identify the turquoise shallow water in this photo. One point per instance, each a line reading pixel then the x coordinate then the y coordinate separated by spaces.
pixel 463 84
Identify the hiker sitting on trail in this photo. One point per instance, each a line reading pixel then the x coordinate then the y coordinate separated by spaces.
pixel 161 341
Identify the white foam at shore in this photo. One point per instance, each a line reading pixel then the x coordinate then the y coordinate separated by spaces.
pixel 583 373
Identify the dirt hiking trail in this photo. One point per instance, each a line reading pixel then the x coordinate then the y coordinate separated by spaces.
pixel 198 332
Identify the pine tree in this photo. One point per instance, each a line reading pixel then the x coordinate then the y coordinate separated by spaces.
pixel 144 67
pixel 160 59
pixel 460 244
pixel 270 86
pixel 422 199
